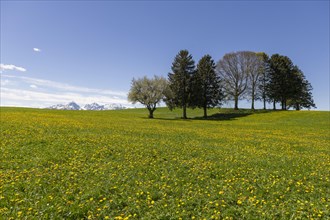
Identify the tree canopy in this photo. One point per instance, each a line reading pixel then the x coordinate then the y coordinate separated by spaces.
pixel 262 87
pixel 238 75
pixel 183 67
pixel 148 92
pixel 233 69
pixel 288 85
pixel 206 85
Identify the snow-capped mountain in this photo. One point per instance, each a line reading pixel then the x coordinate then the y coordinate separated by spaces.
pixel 69 106
pixel 94 106
pixel 113 106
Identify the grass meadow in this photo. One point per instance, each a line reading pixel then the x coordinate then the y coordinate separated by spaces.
pixel 121 165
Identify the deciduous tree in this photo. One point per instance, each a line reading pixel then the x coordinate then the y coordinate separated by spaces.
pixel 149 92
pixel 233 70
pixel 254 66
pixel 263 79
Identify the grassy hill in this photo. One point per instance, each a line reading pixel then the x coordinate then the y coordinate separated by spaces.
pixel 120 165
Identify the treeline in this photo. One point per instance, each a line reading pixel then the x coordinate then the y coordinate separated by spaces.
pixel 238 75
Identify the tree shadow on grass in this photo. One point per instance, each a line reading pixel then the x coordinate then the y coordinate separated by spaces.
pixel 223 116
pixel 169 119
pixel 214 117
pixel 231 115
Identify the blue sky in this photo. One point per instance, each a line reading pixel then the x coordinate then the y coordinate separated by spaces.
pixel 89 51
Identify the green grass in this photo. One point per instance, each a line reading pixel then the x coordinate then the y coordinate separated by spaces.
pixel 120 165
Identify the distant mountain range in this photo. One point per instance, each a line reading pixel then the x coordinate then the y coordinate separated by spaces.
pixel 94 106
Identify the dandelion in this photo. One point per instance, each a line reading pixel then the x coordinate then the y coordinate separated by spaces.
pixel 120 162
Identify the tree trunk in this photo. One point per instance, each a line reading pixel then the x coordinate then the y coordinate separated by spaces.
pixel 184 105
pixel 284 104
pixel 252 104
pixel 264 104
pixel 205 112
pixel 151 112
pixel 274 105
pixel 184 115
pixel 297 107
pixel 236 102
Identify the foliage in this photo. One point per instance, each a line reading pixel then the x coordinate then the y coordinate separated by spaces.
pixel 281 79
pixel 148 92
pixel 262 88
pixel 233 69
pixel 206 90
pixel 119 165
pixel 183 67
pixel 239 75
pixel 254 70
pixel 302 95
pixel 288 84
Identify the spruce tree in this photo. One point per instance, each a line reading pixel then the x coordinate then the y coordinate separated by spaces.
pixel 206 90
pixel 183 67
pixel 302 95
pixel 288 84
pixel 281 79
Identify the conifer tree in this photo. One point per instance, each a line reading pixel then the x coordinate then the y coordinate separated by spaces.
pixel 206 90
pixel 302 95
pixel 288 84
pixel 281 79
pixel 183 67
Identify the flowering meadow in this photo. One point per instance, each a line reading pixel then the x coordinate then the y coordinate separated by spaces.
pixel 121 165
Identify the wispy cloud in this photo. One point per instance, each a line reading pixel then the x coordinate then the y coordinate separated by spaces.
pixel 33 92
pixel 36 49
pixel 45 99
pixel 4 67
pixel 4 82
pixel 64 86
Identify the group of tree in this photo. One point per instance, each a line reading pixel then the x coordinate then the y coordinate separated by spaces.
pixel 238 75
pixel 193 87
pixel 287 84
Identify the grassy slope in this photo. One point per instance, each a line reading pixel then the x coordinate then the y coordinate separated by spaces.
pixel 84 164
